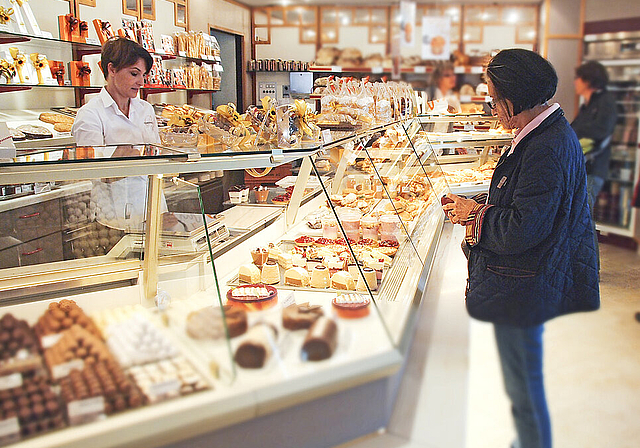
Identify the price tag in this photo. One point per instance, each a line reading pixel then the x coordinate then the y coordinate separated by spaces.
pixel 218 67
pixel 51 82
pixel 376 70
pixel 476 70
pixel 9 426
pixel 469 127
pixel 164 388
pixel 160 51
pixel 182 54
pixel 326 136
pixel 420 69
pixel 92 41
pixel 10 381
pixel 204 56
pixel 289 300
pixel 458 69
pixel 50 340
pixel 336 69
pixel 62 370
pixel 82 408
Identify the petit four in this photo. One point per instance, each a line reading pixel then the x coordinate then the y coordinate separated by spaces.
pixel 321 340
pixel 256 346
pixel 206 323
pixel 370 279
pixel 270 273
pixel 351 306
pixel 299 260
pixel 297 317
pixel 285 260
pixel 249 273
pixel 296 276
pixel 274 251
pixel 320 277
pixel 343 280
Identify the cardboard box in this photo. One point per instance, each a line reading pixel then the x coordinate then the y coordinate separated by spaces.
pixel 69 28
pixel 104 30
pixel 79 73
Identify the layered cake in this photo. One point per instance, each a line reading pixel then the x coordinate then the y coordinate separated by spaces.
pixel 298 317
pixel 206 323
pixel 260 256
pixel 299 260
pixel 334 263
pixel 249 273
pixel 256 346
pixel 320 277
pixel 321 340
pixel 296 276
pixel 285 260
pixel 370 279
pixel 351 306
pixel 377 264
pixel 343 280
pixel 270 273
pixel 253 297
pixel 274 251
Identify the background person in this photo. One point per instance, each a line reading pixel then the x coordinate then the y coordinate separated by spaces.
pixel 531 247
pixel 442 84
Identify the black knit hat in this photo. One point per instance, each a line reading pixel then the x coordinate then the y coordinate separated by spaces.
pixel 523 77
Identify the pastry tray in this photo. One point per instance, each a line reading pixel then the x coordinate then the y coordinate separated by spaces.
pixel 286 245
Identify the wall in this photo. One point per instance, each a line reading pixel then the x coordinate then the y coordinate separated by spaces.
pixel 611 9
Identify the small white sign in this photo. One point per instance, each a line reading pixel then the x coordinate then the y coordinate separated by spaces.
pixel 336 69
pixel 79 408
pixel 164 388
pixel 9 426
pixel 4 27
pixel 376 70
pixel 182 54
pixel 62 370
pixel 10 381
pixel 289 300
pixel 469 127
pixel 326 136
pixel 420 69
pixel 436 36
pixel 47 34
pixel 477 70
pixel 50 340
pixel 92 41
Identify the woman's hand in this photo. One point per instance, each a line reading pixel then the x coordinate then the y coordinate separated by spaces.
pixel 458 210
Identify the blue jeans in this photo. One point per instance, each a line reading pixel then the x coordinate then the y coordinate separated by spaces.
pixel 520 351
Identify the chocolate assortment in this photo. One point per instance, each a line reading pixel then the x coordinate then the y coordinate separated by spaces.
pixel 167 379
pixel 106 379
pixel 76 344
pixel 35 405
pixel 63 315
pixel 18 346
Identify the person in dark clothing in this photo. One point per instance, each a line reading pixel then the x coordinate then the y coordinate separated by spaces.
pixel 594 123
pixel 531 247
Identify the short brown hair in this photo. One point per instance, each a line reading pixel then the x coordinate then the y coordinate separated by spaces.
pixel 122 52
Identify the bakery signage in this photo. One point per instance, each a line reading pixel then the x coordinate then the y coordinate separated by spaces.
pixel 436 36
pixel 407 23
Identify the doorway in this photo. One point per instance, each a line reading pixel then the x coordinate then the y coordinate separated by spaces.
pixel 231 88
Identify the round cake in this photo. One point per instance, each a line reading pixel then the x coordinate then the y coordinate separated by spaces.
pixel 270 273
pixel 253 297
pixel 351 306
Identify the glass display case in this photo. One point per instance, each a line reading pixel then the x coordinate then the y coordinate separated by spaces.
pixel 129 296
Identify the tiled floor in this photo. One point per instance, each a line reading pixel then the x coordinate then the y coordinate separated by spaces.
pixel 592 371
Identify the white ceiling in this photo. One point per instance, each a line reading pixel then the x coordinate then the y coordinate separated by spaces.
pixel 378 2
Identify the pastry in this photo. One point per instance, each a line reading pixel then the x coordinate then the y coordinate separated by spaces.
pixel 334 264
pixel 437 44
pixel 388 247
pixel 259 256
pixel 60 316
pixel 32 131
pixel 16 135
pixel 324 241
pixel 62 127
pixel 262 193
pixel 53 118
pixel 253 297
pixel 377 264
pixel 299 260
pixel 256 346
pixel 321 340
pixel 76 343
pixel 206 323
pixel 270 273
pixel 320 277
pixel 296 276
pixel 343 280
pixel 351 306
pixel 176 371
pixel 370 278
pixel 274 251
pixel 249 273
pixel 304 241
pixel 285 260
pixel 298 317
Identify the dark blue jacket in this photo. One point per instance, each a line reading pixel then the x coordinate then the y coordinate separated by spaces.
pixel 536 258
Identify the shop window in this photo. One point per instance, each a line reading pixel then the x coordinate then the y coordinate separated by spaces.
pixel 293 17
pixel 308 16
pixel 308 35
pixel 329 16
pixel 329 35
pixel 378 16
pixel 472 34
pixel 473 14
pixel 519 14
pixel 260 17
pixel 361 16
pixel 345 17
pixel 377 34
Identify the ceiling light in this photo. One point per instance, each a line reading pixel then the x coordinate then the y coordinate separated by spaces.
pixel 512 17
